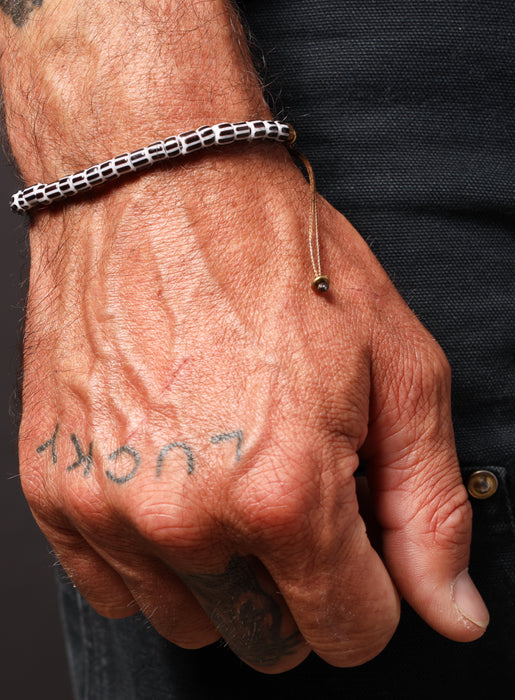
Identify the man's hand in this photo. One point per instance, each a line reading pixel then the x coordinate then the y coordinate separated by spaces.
pixel 194 413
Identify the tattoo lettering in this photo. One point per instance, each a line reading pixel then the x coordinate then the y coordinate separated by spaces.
pixel 172 446
pixel 86 458
pixel 52 443
pixel 82 458
pixel 19 10
pixel 234 435
pixel 246 615
pixel 125 449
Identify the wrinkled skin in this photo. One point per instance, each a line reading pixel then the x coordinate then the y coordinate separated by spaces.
pixel 194 413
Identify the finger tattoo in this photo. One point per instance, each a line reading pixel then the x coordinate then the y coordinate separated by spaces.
pixel 246 615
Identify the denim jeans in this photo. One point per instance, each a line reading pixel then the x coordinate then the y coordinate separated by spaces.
pixel 405 109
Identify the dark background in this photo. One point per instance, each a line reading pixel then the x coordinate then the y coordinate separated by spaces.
pixel 32 655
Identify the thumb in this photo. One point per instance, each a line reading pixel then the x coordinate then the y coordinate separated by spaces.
pixel 419 498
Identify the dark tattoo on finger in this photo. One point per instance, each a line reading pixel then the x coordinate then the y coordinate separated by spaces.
pixel 19 10
pixel 246 615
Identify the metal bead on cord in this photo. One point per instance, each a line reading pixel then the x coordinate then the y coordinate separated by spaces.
pixel 42 195
pixel 320 282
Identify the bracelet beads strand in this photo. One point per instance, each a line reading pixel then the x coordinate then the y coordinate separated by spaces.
pixel 42 195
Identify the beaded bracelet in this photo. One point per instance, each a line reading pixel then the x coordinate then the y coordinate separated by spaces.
pixel 42 195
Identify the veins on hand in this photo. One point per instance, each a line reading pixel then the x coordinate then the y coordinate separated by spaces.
pixel 19 10
pixel 245 614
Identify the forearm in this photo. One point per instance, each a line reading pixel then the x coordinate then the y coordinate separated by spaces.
pixel 83 82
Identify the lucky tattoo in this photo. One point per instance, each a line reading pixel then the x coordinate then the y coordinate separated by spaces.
pixel 188 453
pixel 50 443
pixel 127 460
pixel 234 435
pixel 82 457
pixel 113 457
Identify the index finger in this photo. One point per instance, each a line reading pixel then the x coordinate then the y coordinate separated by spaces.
pixel 246 607
pixel 308 533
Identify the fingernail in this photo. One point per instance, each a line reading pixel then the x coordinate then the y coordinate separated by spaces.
pixel 468 601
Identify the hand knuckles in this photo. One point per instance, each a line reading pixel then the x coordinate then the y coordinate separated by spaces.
pixel 278 521
pixel 442 514
pixel 273 508
pixel 168 526
pixel 423 380
pixel 85 505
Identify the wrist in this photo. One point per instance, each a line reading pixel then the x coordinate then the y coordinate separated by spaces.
pixel 212 197
pixel 233 223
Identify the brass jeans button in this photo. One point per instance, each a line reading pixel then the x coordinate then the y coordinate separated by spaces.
pixel 482 484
